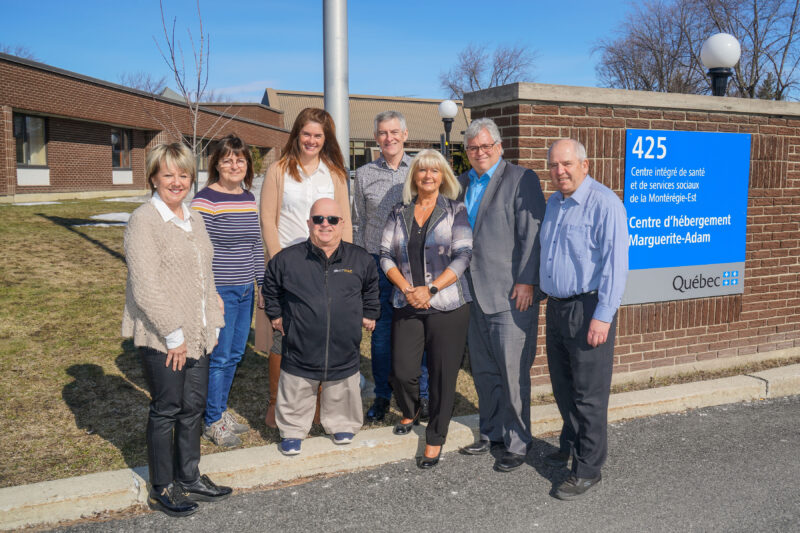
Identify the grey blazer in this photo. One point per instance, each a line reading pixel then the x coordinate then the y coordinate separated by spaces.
pixel 505 249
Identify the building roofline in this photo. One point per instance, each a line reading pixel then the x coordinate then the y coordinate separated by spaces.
pixel 366 96
pixel 245 104
pixel 114 86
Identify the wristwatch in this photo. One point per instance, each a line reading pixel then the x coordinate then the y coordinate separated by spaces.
pixel 433 289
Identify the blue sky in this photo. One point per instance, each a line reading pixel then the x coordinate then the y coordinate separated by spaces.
pixel 396 48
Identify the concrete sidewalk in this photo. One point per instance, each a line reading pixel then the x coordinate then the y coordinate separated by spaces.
pixel 69 499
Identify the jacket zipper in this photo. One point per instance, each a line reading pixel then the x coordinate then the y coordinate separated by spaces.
pixel 327 322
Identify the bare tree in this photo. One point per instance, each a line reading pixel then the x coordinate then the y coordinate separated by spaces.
pixel 18 50
pixel 652 57
pixel 192 86
pixel 476 68
pixel 143 81
pixel 664 54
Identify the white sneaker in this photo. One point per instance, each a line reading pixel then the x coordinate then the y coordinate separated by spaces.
pixel 221 435
pixel 234 426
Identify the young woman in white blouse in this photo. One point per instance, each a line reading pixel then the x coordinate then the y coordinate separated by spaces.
pixel 310 168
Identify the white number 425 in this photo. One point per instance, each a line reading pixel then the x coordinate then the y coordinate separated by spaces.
pixel 658 143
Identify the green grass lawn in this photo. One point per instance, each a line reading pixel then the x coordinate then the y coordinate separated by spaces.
pixel 74 397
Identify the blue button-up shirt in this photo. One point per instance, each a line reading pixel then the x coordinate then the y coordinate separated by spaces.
pixel 474 194
pixel 585 246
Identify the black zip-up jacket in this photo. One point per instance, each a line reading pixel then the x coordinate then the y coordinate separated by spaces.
pixel 322 301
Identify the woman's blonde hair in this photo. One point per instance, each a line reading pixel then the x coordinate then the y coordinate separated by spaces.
pixel 175 155
pixel 450 187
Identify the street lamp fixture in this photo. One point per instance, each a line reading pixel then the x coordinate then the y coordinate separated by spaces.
pixel 448 109
pixel 719 54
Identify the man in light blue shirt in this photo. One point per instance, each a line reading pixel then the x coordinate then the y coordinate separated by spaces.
pixel 474 193
pixel 583 269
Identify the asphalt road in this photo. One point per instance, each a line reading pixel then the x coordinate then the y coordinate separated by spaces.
pixel 728 468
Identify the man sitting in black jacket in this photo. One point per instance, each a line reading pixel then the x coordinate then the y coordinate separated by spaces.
pixel 319 294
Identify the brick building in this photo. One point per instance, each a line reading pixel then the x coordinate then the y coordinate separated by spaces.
pixel 65 135
pixel 704 333
pixel 425 128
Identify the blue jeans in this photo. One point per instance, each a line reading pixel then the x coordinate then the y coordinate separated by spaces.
pixel 238 300
pixel 381 343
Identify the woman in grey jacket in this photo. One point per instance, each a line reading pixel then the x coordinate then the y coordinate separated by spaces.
pixel 425 250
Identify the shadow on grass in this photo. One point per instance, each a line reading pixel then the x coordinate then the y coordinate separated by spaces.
pixel 249 392
pixel 108 406
pixel 68 223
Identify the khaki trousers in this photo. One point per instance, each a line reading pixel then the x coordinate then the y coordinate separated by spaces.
pixel 340 405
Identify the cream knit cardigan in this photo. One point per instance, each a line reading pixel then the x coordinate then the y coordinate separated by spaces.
pixel 169 273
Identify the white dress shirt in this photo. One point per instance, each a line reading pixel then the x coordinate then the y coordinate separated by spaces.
pixel 298 197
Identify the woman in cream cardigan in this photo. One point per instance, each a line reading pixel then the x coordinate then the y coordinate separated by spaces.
pixel 173 313
pixel 311 168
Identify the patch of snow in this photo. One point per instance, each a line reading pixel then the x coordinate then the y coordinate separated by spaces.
pixel 100 225
pixel 112 217
pixel 131 199
pixel 37 203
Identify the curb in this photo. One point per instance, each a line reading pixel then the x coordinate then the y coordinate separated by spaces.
pixel 50 502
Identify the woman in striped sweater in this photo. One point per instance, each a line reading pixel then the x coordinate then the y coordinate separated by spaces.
pixel 230 213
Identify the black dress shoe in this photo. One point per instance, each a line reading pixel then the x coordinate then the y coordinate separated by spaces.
pixel 172 501
pixel 575 487
pixel 405 429
pixel 205 490
pixel 426 463
pixel 509 461
pixel 557 459
pixel 424 409
pixel 480 447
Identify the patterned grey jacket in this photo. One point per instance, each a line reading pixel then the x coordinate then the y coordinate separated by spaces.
pixel 448 244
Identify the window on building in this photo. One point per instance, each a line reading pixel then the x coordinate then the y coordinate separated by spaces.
pixel 202 157
pixel 120 148
pixel 358 154
pixel 31 138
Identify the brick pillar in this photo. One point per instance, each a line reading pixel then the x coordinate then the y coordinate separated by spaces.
pixel 8 159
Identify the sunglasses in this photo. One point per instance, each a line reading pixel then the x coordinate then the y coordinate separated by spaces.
pixel 332 220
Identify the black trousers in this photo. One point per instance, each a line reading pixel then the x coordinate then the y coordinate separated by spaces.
pixel 581 379
pixel 175 421
pixel 443 335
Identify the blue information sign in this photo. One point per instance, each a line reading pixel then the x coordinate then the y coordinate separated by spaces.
pixel 686 199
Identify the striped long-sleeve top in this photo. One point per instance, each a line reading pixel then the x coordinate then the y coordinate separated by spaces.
pixel 232 224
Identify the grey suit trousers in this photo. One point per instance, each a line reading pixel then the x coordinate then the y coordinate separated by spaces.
pixel 501 351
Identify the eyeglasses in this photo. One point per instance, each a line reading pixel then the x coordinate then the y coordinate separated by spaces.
pixel 332 220
pixel 227 163
pixel 482 148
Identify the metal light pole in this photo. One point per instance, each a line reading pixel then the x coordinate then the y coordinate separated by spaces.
pixel 719 54
pixel 337 90
pixel 448 109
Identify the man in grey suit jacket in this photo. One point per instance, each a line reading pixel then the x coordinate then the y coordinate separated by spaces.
pixel 505 205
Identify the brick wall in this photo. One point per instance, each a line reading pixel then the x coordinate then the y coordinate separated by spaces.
pixel 79 158
pixel 80 112
pixel 766 317
pixel 8 157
